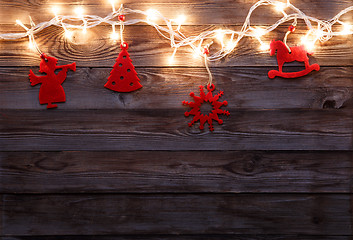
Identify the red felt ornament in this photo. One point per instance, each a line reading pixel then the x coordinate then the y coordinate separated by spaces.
pixel 123 77
pixel 206 98
pixel 297 53
pixel 51 90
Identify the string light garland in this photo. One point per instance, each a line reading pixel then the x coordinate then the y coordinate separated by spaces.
pixel 318 30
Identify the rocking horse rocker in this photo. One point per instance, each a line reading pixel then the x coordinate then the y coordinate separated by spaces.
pixel 297 53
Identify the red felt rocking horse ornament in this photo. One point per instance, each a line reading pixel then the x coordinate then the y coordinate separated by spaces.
pixel 292 54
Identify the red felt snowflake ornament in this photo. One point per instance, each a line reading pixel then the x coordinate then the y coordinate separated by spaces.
pixel 204 98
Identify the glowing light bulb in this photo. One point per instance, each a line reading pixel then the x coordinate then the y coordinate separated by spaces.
pixel 319 33
pixel 68 34
pixel 55 10
pixel 151 15
pixel 197 53
pixel 230 46
pixel 112 2
pixel 21 24
pixel 303 40
pixel 180 20
pixel 258 32
pixel 346 29
pixel 31 45
pixel 280 6
pixel 309 46
pixel 79 11
pixel 220 35
pixel 114 36
pixel 264 47
pixel 171 59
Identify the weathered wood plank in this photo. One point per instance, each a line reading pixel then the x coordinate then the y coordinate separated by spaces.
pixel 1 214
pixel 162 129
pixel 198 12
pixel 183 237
pixel 189 171
pixel 323 214
pixel 147 48
pixel 246 88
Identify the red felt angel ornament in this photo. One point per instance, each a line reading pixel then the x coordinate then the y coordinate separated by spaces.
pixel 51 90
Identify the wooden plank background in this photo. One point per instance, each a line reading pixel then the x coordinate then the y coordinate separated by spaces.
pixel 108 165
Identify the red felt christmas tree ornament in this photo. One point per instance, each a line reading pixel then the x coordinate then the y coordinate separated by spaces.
pixel 51 90
pixel 123 77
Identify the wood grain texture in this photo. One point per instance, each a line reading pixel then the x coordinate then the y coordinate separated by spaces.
pixel 177 214
pixel 109 165
pixel 1 214
pixel 184 171
pixel 148 48
pixel 104 130
pixel 183 237
pixel 166 88
pixel 198 12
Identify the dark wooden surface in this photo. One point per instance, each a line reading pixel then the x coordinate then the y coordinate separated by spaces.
pixel 108 165
pixel 176 214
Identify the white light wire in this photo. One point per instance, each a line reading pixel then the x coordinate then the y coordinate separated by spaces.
pixel 178 39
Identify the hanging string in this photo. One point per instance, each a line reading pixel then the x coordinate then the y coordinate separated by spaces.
pixel 206 51
pixel 290 30
pixel 121 23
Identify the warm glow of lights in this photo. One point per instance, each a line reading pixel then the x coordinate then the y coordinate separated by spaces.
pixel 68 34
pixel 181 19
pixel 230 46
pixel 280 6
pixel 220 35
pixel 196 53
pixel 79 11
pixel 319 33
pixel 55 10
pixel 264 47
pixel 152 15
pixel 112 2
pixel 309 45
pixel 114 36
pixel 171 59
pixel 258 32
pixel 346 29
pixel 21 24
pixel 31 45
